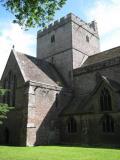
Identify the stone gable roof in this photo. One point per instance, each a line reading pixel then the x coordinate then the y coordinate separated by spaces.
pixel 37 70
pixel 102 56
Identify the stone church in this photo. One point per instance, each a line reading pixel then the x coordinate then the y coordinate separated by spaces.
pixel 68 94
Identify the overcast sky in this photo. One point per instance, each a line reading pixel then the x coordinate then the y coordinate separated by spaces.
pixel 105 12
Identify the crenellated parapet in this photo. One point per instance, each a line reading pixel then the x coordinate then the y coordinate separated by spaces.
pixel 90 27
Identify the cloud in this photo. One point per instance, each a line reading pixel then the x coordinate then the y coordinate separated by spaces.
pixel 13 35
pixel 106 13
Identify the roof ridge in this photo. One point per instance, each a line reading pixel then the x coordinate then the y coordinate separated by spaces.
pixel 38 70
pixel 20 67
pixel 105 51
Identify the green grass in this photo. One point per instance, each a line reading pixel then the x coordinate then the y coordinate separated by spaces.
pixel 58 153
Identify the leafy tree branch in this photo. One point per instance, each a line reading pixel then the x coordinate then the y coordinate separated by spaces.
pixel 4 108
pixel 32 13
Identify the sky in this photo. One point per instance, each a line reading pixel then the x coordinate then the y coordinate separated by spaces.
pixel 105 12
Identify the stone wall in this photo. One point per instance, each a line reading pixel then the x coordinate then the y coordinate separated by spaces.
pixel 85 42
pixel 85 81
pixel 89 124
pixel 85 77
pixel 16 121
pixel 45 103
pixel 74 41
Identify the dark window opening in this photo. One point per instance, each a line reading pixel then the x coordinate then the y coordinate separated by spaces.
pixel 10 84
pixel 52 38
pixel 14 90
pixel 4 96
pixel 56 101
pixel 105 100
pixel 87 39
pixel 84 126
pixel 72 125
pixel 7 136
pixel 108 124
pixel 52 60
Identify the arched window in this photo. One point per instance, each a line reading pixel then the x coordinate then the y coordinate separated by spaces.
pixel 9 87
pixel 6 97
pixel 4 86
pixel 105 100
pixel 14 90
pixel 10 84
pixel 71 125
pixel 108 124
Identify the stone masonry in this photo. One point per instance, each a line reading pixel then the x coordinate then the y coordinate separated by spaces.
pixel 68 94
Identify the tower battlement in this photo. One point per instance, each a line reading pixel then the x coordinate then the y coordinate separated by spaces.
pixel 67 43
pixel 90 27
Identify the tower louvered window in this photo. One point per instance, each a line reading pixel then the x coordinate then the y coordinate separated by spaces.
pixel 105 100
pixel 53 39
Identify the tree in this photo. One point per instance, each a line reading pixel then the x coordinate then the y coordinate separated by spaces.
pixel 4 108
pixel 32 13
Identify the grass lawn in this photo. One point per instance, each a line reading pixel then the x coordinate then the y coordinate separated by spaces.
pixel 58 153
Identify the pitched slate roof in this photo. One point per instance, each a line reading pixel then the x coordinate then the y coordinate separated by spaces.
pixel 78 105
pixel 102 56
pixel 37 70
pixel 75 106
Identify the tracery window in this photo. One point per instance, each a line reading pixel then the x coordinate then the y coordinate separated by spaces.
pixel 105 100
pixel 108 124
pixel 71 125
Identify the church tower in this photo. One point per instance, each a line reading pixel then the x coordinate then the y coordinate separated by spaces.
pixel 67 43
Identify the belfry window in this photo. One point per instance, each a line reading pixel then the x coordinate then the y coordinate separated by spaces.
pixel 108 124
pixel 53 38
pixel 71 125
pixel 105 100
pixel 87 39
